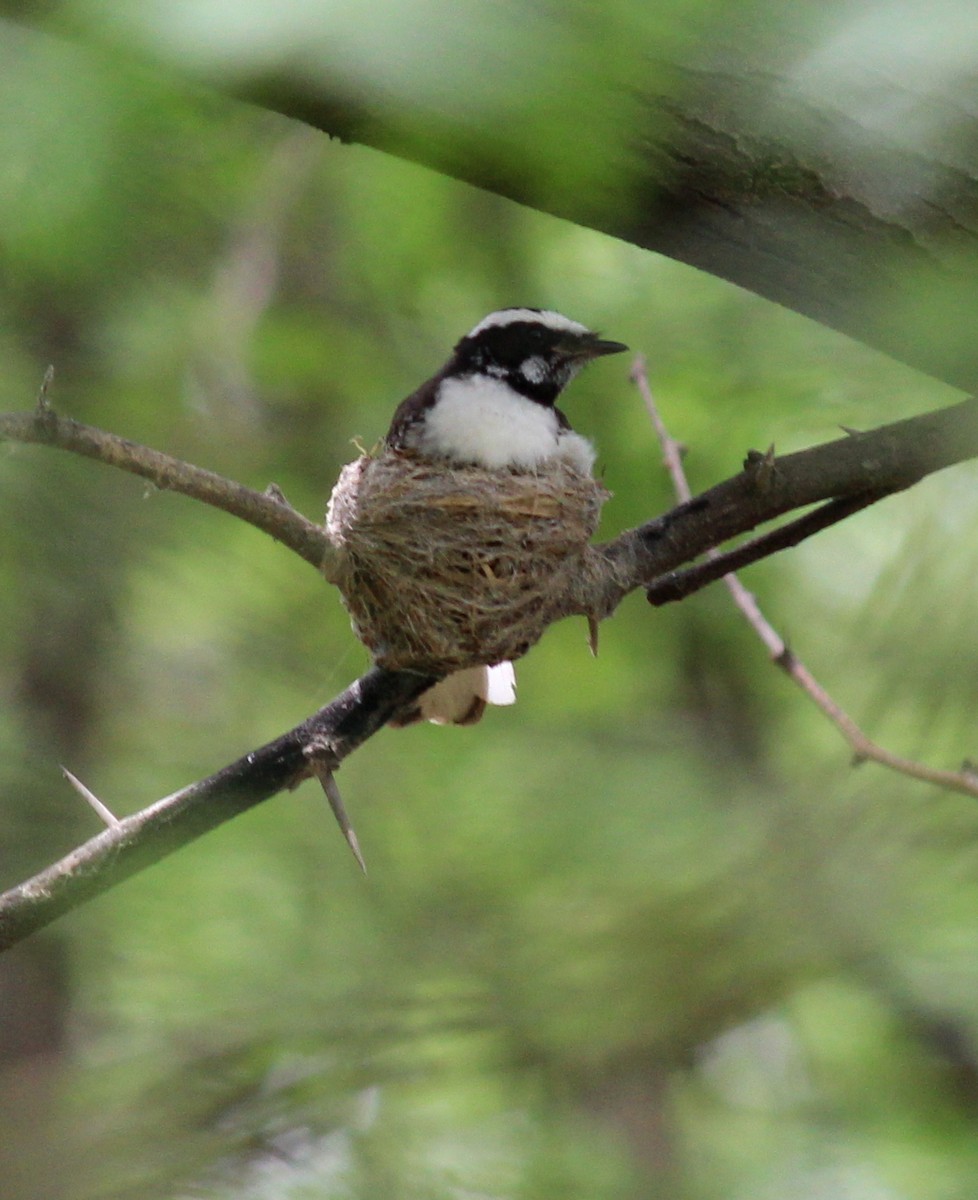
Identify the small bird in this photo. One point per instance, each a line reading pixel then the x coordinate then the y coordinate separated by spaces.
pixel 493 404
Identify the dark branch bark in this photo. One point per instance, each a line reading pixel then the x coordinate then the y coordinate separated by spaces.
pixel 139 841
pixel 963 781
pixel 677 585
pixel 878 462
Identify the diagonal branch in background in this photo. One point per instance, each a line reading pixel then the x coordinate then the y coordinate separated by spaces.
pixel 879 462
pixel 705 147
pixel 717 565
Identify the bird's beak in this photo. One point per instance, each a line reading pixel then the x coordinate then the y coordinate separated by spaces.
pixel 594 347
pixel 601 346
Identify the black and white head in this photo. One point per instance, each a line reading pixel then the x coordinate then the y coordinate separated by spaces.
pixel 494 402
pixel 535 351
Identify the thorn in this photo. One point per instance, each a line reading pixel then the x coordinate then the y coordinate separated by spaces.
pixel 849 431
pixel 328 781
pixel 43 398
pixel 108 817
pixel 592 632
pixel 761 467
pixel 274 492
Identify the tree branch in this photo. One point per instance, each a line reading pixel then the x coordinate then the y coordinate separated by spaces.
pixel 879 463
pixel 865 465
pixel 849 471
pixel 267 511
pixel 715 154
pixel 719 566
pixel 742 172
pixel 136 842
pixel 677 585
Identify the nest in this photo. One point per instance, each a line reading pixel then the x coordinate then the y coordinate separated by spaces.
pixel 443 567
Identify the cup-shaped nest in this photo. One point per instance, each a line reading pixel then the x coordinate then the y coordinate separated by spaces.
pixel 444 567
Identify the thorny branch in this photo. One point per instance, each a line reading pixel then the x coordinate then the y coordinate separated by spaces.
pixel 864 749
pixel 314 748
pixel 853 471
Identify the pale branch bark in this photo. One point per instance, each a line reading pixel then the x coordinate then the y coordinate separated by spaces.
pixel 876 463
pixel 133 843
pixel 749 148
pixel 863 747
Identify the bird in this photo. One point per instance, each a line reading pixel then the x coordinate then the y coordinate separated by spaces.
pixel 493 405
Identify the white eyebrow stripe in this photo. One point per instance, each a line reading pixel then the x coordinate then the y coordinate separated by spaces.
pixel 547 317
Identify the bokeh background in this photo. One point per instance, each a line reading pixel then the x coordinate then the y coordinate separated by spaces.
pixel 647 933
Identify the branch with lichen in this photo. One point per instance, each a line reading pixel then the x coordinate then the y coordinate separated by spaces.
pixel 841 476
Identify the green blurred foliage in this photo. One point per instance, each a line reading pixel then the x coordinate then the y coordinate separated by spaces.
pixel 646 933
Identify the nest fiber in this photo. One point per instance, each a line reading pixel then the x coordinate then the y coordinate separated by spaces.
pixel 449 567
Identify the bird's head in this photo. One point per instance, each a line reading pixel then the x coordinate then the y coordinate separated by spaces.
pixel 536 351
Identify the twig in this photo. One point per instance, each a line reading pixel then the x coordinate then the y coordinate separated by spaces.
pixel 43 403
pixel 672 451
pixel 864 748
pixel 880 462
pixel 265 511
pixel 677 585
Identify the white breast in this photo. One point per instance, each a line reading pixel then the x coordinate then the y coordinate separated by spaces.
pixel 483 420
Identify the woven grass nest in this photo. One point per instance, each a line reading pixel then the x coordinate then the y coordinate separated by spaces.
pixel 449 567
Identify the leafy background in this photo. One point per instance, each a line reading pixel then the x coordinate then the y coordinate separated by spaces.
pixel 645 933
